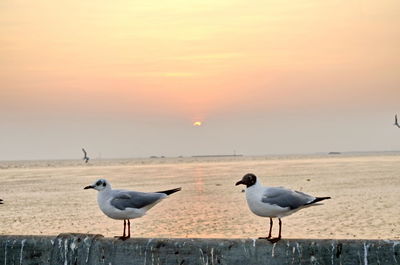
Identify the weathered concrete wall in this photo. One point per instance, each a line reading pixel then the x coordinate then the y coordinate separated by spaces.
pixel 77 249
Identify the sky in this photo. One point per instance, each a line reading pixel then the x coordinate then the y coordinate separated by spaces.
pixel 129 78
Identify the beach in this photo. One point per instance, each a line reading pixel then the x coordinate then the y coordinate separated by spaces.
pixel 47 197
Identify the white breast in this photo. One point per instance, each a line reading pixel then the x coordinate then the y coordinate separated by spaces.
pixel 254 196
pixel 104 199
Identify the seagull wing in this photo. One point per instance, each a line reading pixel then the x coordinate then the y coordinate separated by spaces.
pixel 133 199
pixel 84 152
pixel 286 198
pixel 396 123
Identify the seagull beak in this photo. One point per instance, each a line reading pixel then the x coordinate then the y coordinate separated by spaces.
pixel 239 182
pixel 88 187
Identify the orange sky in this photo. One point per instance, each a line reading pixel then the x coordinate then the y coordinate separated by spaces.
pixel 192 59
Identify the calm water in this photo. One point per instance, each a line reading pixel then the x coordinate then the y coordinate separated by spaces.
pixel 47 197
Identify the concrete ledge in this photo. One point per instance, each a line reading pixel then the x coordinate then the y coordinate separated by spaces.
pixel 77 249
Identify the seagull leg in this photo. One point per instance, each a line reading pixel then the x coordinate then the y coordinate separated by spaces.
pixel 123 237
pixel 124 234
pixel 276 239
pixel 270 230
pixel 270 227
pixel 129 229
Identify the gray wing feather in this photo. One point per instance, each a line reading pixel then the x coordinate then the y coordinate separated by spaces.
pixel 134 199
pixel 286 198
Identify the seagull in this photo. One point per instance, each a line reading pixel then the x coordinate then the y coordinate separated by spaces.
pixel 274 202
pixel 124 204
pixel 85 157
pixel 395 121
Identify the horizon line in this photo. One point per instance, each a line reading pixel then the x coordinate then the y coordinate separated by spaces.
pixel 336 153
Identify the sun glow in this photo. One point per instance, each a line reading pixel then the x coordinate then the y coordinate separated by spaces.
pixel 197 123
pixel 194 59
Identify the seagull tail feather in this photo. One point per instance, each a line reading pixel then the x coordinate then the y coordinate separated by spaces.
pixel 318 199
pixel 168 192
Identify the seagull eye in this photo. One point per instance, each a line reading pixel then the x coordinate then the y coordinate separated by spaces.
pixel 98 183
pixel 104 184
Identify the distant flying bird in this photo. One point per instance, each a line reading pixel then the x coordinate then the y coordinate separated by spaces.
pixel 125 204
pixel 1 201
pixel 396 122
pixel 274 202
pixel 85 157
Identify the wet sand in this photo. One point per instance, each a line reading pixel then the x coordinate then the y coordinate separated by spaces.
pixel 48 197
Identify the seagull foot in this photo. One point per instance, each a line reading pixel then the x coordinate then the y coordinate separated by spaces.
pixel 265 237
pixel 274 240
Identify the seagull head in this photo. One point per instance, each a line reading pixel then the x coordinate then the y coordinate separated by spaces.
pixel 248 180
pixel 99 185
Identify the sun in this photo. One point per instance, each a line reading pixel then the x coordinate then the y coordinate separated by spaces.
pixel 197 123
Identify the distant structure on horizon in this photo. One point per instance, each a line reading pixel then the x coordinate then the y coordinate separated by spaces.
pixel 234 155
pixel 334 153
pixel 396 123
